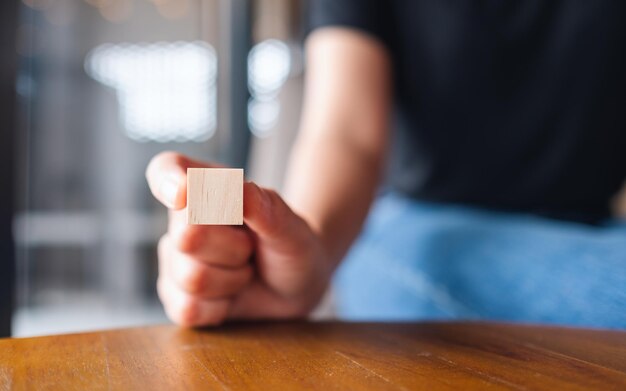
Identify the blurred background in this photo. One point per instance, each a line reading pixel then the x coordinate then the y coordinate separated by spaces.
pixel 91 90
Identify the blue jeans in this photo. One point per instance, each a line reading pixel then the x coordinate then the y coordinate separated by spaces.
pixel 418 261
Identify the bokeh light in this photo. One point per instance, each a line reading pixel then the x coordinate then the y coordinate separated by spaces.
pixel 165 91
pixel 263 116
pixel 269 65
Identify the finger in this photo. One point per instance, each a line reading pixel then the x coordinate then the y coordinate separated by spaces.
pixel 167 178
pixel 198 278
pixel 217 245
pixel 206 281
pixel 187 310
pixel 258 302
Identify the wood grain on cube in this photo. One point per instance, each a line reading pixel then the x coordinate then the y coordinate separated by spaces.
pixel 215 196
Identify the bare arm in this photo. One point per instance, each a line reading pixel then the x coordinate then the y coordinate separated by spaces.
pixel 339 155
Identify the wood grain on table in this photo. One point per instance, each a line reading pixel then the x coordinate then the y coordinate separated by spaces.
pixel 320 356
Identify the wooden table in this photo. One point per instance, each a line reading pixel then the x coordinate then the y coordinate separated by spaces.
pixel 320 356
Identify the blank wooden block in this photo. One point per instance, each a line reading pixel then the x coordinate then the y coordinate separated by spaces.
pixel 215 196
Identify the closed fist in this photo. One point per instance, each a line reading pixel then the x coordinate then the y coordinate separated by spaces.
pixel 273 267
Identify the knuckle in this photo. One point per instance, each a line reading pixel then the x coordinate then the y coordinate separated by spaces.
pixel 193 278
pixel 161 291
pixel 215 317
pixel 180 308
pixel 169 155
pixel 188 239
pixel 157 160
pixel 162 246
pixel 152 165
pixel 246 242
pixel 240 247
pixel 186 312
pixel 235 284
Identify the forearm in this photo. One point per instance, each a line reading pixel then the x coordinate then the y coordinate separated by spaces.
pixel 338 159
pixel 331 183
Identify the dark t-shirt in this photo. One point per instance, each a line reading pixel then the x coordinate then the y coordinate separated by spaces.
pixel 518 105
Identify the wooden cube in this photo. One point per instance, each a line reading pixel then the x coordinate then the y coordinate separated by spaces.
pixel 215 196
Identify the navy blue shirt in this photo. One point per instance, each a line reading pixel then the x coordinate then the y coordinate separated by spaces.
pixel 517 105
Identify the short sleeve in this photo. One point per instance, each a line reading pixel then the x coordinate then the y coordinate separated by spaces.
pixel 369 16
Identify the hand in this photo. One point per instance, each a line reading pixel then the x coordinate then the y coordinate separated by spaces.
pixel 273 267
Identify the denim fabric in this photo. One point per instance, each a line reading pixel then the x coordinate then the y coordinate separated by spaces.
pixel 418 260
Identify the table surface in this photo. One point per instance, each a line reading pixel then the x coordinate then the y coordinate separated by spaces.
pixel 325 356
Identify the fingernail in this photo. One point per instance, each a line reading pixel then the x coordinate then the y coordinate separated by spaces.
pixel 169 190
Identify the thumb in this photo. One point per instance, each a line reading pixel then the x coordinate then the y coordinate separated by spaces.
pixel 288 258
pixel 267 214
